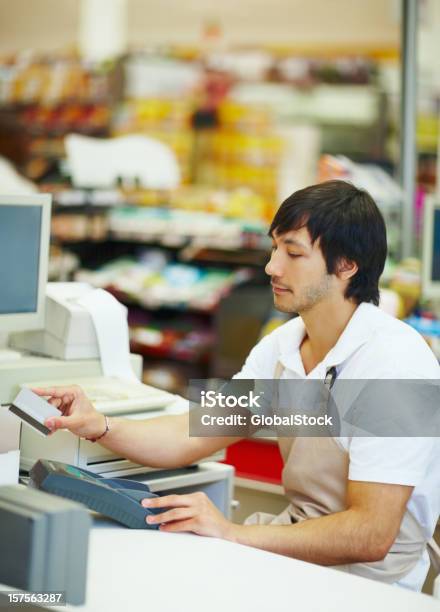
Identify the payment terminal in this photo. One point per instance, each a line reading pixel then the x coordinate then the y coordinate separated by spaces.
pixel 116 498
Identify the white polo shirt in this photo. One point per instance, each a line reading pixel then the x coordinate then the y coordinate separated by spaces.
pixel 374 345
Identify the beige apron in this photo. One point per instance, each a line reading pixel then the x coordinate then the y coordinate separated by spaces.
pixel 315 477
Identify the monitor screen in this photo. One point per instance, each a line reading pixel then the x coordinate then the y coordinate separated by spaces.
pixel 435 273
pixel 20 235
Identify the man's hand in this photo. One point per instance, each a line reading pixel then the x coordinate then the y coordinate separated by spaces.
pixel 194 512
pixel 78 414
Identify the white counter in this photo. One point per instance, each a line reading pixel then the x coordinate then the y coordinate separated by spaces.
pixel 151 570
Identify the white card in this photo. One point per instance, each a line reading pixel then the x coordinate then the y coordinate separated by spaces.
pixel 33 409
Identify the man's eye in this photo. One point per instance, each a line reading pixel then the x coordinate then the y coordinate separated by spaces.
pixel 294 255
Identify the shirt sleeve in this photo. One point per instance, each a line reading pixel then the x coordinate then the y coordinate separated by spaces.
pixel 403 461
pixel 401 415
pixel 260 363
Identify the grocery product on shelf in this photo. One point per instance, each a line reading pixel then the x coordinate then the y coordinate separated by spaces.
pixel 242 203
pixel 190 215
pixel 56 79
pixel 154 283
pixel 175 227
pixel 62 264
pixel 165 119
pixel 68 227
pixel 87 118
pixel 133 159
pixel 185 338
pixel 244 151
pixel 44 97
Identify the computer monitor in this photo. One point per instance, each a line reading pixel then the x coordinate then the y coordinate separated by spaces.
pixel 431 249
pixel 24 254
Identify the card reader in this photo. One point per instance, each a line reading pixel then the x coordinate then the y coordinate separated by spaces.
pixel 116 498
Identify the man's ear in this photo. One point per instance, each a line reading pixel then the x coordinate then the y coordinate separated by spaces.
pixel 346 269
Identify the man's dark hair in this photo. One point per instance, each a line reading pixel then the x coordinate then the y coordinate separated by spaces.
pixel 349 226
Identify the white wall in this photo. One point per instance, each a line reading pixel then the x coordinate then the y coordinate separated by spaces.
pixel 53 24
pixel 41 24
pixel 273 21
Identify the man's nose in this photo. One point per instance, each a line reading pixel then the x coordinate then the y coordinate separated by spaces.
pixel 273 267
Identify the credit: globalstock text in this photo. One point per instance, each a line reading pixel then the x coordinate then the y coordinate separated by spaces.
pixel 261 420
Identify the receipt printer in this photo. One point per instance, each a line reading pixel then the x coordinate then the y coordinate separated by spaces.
pixel 68 331
pixel 44 543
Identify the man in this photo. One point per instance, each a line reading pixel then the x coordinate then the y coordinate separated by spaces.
pixel 365 505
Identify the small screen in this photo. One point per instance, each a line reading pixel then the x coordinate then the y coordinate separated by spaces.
pixel 72 471
pixel 20 232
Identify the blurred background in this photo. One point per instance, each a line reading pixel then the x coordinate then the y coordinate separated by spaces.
pixel 169 133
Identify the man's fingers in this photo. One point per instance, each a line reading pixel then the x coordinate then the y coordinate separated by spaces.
pixel 54 423
pixel 61 392
pixel 168 501
pixel 62 422
pixel 176 514
pixel 55 401
pixel 186 525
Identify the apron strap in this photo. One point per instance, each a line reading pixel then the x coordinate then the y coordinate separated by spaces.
pixel 434 555
pixel 278 370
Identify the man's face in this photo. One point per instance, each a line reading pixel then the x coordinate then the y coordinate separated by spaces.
pixel 298 272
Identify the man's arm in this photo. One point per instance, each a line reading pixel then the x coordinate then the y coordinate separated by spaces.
pixel 156 442
pixel 364 532
pixel 160 442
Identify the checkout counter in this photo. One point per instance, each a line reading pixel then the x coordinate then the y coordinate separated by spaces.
pixel 151 570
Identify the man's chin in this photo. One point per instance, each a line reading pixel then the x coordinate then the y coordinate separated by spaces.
pixel 282 304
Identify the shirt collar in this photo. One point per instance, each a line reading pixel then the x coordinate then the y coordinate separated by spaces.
pixel 290 356
pixel 355 334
